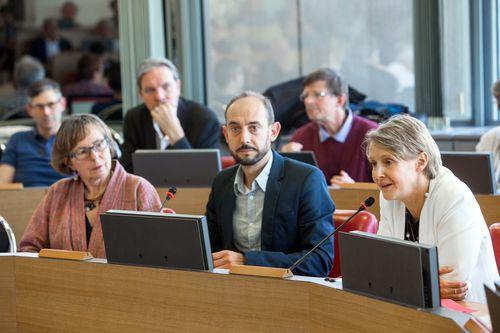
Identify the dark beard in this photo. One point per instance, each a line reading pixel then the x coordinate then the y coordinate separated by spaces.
pixel 250 161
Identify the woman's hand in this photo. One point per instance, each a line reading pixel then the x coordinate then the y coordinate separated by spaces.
pixel 455 290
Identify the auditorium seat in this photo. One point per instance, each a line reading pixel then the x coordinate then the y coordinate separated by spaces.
pixel 7 238
pixel 364 221
pixel 495 239
pixel 227 161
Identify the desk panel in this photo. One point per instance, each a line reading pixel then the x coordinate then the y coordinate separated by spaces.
pixel 81 296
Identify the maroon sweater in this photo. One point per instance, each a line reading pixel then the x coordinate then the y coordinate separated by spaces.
pixel 334 156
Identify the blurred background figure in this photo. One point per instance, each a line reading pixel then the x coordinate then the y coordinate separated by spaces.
pixel 113 80
pixel 103 39
pixel 90 78
pixel 490 141
pixel 69 11
pixel 49 44
pixel 8 40
pixel 27 71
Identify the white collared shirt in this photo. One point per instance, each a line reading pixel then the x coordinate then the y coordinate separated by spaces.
pixel 247 216
pixel 162 141
pixel 341 135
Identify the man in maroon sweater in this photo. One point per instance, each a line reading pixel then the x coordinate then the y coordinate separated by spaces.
pixel 335 134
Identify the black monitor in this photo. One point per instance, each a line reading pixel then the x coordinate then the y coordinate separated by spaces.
pixel 305 156
pixel 399 271
pixel 177 167
pixel 157 240
pixel 493 300
pixel 473 168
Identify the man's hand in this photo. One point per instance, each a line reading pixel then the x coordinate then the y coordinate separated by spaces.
pixel 341 178
pixel 226 258
pixel 455 290
pixel 166 117
pixel 291 147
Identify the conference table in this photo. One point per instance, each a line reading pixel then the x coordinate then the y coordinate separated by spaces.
pixel 45 295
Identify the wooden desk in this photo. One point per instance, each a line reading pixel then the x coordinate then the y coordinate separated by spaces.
pixel 17 206
pixel 44 295
pixel 187 200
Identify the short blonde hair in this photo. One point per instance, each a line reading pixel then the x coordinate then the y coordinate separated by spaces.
pixel 406 137
pixel 73 130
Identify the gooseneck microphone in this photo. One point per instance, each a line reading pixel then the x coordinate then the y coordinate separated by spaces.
pixel 168 196
pixel 367 203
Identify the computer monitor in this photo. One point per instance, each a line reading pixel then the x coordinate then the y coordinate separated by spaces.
pixel 177 167
pixel 493 300
pixel 157 240
pixel 473 168
pixel 305 156
pixel 395 270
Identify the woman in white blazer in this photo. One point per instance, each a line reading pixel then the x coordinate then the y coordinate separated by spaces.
pixel 422 201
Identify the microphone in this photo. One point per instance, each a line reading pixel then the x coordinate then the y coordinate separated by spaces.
pixel 168 196
pixel 367 203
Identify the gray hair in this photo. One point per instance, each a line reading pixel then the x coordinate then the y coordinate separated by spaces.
pixel 27 71
pixel 151 63
pixel 406 137
pixel 263 99
pixel 43 85
pixel 336 84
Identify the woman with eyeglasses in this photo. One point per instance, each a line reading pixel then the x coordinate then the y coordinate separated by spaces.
pixel 422 201
pixel 68 216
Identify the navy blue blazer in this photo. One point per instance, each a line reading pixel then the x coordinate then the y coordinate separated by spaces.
pixel 297 215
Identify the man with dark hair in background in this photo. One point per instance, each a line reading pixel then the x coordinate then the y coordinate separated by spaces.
pixel 49 44
pixel 89 79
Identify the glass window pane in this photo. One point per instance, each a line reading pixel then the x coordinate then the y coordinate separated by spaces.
pixel 251 44
pixel 369 42
pixel 456 60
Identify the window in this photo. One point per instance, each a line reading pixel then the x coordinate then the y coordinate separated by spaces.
pixel 259 43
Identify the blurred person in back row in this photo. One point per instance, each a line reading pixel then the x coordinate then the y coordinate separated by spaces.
pixel 422 201
pixel 68 218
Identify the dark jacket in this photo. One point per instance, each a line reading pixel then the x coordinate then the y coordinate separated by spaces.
pixel 297 214
pixel 199 123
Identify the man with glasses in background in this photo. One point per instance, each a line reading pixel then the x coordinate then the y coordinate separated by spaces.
pixel 26 159
pixel 165 120
pixel 334 133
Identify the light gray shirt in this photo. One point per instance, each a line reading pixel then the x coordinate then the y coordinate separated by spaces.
pixel 247 216
pixel 161 139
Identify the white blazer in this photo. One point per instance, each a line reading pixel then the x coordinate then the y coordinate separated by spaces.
pixel 452 220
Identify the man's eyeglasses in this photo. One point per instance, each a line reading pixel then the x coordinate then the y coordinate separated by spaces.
pixel 314 94
pixel 50 105
pixel 82 153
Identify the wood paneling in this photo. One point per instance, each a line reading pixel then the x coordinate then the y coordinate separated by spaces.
pixel 87 296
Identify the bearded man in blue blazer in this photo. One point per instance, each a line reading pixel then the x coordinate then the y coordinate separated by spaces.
pixel 267 210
